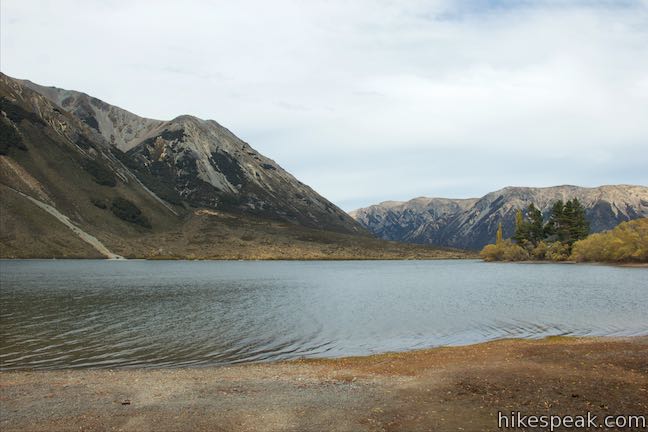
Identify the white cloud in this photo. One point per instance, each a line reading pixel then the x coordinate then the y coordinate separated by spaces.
pixel 369 100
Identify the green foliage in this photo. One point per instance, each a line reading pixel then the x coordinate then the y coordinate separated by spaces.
pixel 552 227
pixel 126 210
pixel 539 241
pixel 156 181
pixel 577 225
pixel 16 113
pixel 99 173
pixel 535 225
pixel 506 250
pixel 566 224
pixel 529 231
pixel 9 137
pixel 83 142
pixel 99 203
pixel 628 242
pixel 521 231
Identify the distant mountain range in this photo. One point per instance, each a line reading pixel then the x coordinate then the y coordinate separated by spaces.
pixel 82 178
pixel 472 223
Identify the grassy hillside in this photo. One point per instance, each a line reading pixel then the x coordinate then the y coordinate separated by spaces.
pixel 201 234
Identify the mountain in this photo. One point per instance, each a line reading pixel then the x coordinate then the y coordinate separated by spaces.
pixel 201 163
pixel 472 223
pixel 82 178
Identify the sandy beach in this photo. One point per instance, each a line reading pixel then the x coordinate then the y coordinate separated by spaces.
pixel 453 388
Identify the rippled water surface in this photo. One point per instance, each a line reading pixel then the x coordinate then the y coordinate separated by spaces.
pixel 71 314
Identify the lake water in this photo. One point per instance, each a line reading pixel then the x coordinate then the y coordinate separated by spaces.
pixel 86 313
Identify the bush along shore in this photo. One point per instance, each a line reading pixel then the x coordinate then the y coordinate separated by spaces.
pixel 565 237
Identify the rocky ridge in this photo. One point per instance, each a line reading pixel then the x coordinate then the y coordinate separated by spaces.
pixel 472 223
pixel 199 163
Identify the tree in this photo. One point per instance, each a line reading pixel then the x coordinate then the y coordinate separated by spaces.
pixel 552 228
pixel 521 235
pixel 535 227
pixel 529 231
pixel 506 250
pixel 519 218
pixel 578 227
pixel 568 224
pixel 498 238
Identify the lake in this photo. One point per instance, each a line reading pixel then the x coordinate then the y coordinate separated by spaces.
pixel 108 314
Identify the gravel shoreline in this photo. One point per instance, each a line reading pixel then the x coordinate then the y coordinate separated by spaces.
pixel 450 388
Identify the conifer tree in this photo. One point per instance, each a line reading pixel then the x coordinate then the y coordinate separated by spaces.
pixel 578 225
pixel 565 222
pixel 535 230
pixel 553 224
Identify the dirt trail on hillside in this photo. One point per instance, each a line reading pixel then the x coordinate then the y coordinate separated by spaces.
pixel 444 389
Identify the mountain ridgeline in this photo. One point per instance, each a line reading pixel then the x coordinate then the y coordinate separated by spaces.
pixel 200 163
pixel 82 178
pixel 472 223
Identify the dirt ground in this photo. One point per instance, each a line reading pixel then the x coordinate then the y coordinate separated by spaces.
pixel 458 389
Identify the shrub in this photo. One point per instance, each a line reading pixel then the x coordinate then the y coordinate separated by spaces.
pixel 515 253
pixel 99 203
pixel 505 250
pixel 557 251
pixel 99 173
pixel 9 137
pixel 540 251
pixel 16 113
pixel 126 210
pixel 628 242
pixel 155 178
pixel 83 142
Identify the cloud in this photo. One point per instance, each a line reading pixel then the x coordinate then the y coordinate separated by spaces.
pixel 370 100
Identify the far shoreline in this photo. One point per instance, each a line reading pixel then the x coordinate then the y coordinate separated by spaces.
pixel 596 263
pixel 336 259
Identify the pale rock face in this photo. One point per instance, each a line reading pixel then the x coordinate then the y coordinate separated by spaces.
pixel 119 127
pixel 472 223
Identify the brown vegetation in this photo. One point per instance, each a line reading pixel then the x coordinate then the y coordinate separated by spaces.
pixel 504 250
pixel 203 234
pixel 627 243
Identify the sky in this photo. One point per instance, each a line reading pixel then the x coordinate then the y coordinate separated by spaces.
pixel 367 101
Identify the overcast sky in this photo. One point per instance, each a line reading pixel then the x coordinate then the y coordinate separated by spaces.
pixel 368 101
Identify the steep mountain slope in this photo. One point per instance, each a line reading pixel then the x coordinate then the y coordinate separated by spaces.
pixel 49 158
pixel 408 221
pixel 201 163
pixel 81 178
pixel 472 223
